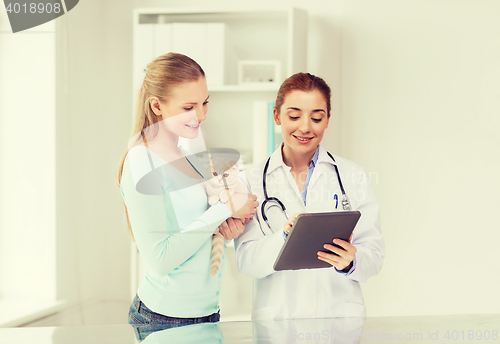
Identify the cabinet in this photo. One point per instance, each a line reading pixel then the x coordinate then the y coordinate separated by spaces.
pixel 270 34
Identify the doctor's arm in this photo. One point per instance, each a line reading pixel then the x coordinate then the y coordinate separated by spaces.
pixel 367 236
pixel 256 252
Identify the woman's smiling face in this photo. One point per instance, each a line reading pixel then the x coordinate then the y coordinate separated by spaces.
pixel 184 110
pixel 303 118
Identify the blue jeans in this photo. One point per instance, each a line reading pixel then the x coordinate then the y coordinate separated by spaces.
pixel 145 321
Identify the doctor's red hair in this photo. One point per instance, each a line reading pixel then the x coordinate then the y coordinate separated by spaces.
pixel 303 82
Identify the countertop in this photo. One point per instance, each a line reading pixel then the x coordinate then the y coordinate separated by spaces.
pixel 417 329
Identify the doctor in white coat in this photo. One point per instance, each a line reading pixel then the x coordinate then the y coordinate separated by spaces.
pixel 302 175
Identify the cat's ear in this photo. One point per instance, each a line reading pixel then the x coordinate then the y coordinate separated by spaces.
pixel 235 167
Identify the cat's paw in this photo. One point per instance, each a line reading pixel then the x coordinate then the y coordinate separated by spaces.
pixel 223 197
pixel 212 200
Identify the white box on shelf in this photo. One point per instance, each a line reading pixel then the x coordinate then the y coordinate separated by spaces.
pixel 203 42
pixel 162 39
pixel 259 72
pixel 190 39
pixel 214 67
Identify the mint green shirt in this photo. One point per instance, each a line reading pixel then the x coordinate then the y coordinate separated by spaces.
pixel 173 227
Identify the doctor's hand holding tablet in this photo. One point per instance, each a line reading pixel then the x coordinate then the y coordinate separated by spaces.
pixel 335 194
pixel 341 255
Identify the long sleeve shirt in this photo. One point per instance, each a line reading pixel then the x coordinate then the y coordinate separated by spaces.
pixel 172 225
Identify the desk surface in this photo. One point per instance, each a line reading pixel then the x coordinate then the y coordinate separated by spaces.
pixel 429 329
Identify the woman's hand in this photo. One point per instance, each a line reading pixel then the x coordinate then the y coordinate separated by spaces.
pixel 289 223
pixel 245 205
pixel 341 258
pixel 232 228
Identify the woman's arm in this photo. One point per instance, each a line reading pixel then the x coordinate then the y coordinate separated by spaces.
pixel 162 247
pixel 156 230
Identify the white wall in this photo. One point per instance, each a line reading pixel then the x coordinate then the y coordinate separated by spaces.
pixel 93 121
pixel 27 161
pixel 420 105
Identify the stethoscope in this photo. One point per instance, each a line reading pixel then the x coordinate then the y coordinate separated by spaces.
pixel 345 201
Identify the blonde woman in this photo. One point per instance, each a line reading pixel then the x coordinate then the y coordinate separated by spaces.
pixel 167 208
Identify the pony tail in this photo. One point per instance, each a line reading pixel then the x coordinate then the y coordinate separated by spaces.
pixel 139 122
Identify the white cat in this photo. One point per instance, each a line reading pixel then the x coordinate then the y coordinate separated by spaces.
pixel 220 187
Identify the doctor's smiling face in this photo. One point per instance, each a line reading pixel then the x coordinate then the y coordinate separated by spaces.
pixel 303 117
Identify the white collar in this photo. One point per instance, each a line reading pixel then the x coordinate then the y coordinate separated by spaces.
pixel 323 156
pixel 277 159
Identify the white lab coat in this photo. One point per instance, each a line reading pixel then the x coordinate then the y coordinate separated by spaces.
pixel 310 293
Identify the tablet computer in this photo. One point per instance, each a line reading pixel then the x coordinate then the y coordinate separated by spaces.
pixel 308 235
